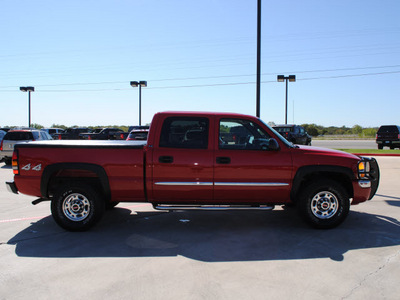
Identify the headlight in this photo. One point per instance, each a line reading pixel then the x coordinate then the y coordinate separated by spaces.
pixel 363 169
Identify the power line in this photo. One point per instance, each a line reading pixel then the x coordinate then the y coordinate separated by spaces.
pixel 220 84
pixel 226 76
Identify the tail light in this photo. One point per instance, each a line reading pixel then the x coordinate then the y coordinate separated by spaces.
pixel 14 162
pixel 89 138
pixel 59 136
pixel 121 136
pixel 1 146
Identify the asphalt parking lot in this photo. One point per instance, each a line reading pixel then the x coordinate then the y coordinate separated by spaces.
pixel 138 253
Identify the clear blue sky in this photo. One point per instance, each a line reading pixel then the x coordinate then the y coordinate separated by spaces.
pixel 199 55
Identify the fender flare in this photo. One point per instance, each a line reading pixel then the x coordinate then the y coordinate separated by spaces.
pixel 51 169
pixel 306 171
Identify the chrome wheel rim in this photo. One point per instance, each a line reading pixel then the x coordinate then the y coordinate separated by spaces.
pixel 76 207
pixel 324 205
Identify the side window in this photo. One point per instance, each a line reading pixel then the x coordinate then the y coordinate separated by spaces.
pixel 242 134
pixel 185 132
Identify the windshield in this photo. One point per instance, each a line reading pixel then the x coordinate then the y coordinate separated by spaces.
pixel 280 137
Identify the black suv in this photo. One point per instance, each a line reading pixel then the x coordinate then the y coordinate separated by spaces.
pixel 388 135
pixel 294 133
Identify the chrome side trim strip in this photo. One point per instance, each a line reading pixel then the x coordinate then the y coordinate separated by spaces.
pixel 251 184
pixel 185 183
pixel 256 184
pixel 212 207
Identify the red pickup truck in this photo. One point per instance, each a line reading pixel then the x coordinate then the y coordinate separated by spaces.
pixel 193 160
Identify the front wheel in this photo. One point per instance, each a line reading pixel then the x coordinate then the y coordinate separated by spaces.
pixel 324 204
pixel 77 207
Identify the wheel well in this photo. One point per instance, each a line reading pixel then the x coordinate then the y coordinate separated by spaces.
pixel 340 178
pixel 56 176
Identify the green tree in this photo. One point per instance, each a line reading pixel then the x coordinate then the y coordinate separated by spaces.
pixel 357 129
pixel 37 126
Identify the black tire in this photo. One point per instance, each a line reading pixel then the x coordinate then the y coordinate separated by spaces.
pixel 7 161
pixel 77 207
pixel 324 204
pixel 380 147
pixel 111 205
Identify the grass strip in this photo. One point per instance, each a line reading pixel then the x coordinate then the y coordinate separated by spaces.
pixel 371 151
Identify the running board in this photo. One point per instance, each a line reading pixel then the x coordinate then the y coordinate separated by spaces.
pixel 212 207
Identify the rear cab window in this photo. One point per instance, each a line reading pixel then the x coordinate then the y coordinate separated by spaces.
pixel 185 133
pixel 388 129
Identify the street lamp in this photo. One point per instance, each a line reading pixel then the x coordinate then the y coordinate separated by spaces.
pixel 28 89
pixel 139 84
pixel 258 85
pixel 282 78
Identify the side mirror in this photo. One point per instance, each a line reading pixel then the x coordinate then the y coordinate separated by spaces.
pixel 273 145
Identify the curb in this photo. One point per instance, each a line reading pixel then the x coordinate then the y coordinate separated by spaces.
pixel 376 154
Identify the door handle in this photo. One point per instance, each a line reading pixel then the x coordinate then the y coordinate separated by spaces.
pixel 223 160
pixel 166 159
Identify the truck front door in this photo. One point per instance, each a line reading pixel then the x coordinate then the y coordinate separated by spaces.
pixel 245 169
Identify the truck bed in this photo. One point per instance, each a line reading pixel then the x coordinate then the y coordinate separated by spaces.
pixel 124 168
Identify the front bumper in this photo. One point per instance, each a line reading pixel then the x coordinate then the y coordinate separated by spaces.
pixel 373 177
pixel 11 187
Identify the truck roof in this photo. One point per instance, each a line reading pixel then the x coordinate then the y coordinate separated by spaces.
pixel 202 113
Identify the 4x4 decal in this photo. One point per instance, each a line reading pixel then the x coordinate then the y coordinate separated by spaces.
pixel 34 168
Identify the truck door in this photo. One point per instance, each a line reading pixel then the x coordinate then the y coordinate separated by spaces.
pixel 245 169
pixel 183 161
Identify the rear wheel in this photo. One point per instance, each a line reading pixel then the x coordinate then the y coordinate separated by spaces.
pixel 380 147
pixel 77 207
pixel 324 204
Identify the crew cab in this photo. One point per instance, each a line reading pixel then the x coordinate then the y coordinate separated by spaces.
pixel 193 160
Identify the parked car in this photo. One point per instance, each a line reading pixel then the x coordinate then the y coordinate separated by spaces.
pixel 53 132
pixel 294 133
pixel 389 136
pixel 72 133
pixel 124 135
pixel 102 134
pixel 138 134
pixel 14 137
pixel 2 134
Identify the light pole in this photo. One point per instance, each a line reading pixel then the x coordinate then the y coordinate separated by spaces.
pixel 258 88
pixel 139 84
pixel 282 78
pixel 28 89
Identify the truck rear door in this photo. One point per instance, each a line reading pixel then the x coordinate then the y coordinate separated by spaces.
pixel 182 160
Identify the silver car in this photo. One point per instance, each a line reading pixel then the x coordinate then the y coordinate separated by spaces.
pixel 14 137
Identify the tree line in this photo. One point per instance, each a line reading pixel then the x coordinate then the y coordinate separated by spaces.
pixel 362 132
